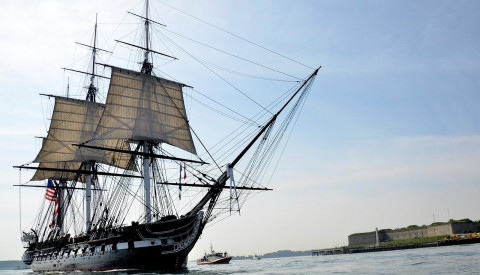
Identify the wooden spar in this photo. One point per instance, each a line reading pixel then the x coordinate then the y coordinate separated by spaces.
pixel 163 79
pixel 59 187
pixel 87 73
pixel 211 185
pixel 271 120
pixel 138 153
pixel 148 19
pixel 93 47
pixel 78 171
pixel 143 48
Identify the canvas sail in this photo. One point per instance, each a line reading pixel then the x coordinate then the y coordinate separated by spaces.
pixel 58 175
pixel 74 122
pixel 143 107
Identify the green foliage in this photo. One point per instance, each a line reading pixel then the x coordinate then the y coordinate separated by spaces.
pixel 413 241
pixel 463 221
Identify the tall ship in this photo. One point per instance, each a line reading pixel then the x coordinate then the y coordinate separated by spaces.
pixel 127 182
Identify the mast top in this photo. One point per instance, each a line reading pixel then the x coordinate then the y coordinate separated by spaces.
pixel 92 90
pixel 147 66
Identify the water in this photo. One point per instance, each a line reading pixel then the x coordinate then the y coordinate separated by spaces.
pixel 458 259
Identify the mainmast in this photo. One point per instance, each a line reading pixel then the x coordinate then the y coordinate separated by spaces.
pixel 147 146
pixel 91 96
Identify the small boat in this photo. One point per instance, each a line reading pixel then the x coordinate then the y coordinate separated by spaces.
pixel 214 258
pixel 255 257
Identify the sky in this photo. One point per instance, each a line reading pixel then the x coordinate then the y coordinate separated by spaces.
pixel 389 136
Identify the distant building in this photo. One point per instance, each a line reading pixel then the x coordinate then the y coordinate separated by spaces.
pixel 412 233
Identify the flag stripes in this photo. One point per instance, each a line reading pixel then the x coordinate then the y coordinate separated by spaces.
pixel 50 195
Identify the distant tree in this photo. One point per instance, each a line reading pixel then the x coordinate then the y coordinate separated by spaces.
pixel 463 221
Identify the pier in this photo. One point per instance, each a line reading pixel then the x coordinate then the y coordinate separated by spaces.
pixel 330 251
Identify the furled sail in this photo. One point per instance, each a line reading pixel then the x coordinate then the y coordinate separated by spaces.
pixel 58 174
pixel 142 107
pixel 73 122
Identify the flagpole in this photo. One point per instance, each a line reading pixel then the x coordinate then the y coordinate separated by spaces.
pixel 20 199
pixel 180 183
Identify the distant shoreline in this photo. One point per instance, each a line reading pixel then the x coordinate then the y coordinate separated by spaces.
pixel 353 250
pixel 13 265
pixel 277 254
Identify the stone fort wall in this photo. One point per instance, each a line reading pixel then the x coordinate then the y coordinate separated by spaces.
pixel 408 234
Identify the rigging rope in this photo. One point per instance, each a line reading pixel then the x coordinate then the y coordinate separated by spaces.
pixel 230 33
pixel 212 108
pixel 215 73
pixel 291 131
pixel 236 56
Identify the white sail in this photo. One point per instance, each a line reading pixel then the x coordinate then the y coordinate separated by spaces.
pixel 58 175
pixel 143 107
pixel 74 122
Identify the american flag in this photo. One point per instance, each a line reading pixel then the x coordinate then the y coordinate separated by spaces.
pixel 50 195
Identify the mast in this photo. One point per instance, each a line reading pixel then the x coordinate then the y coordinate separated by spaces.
pixel 147 146
pixel 147 65
pixel 88 197
pixel 61 206
pixel 92 90
pixel 91 96
pixel 146 178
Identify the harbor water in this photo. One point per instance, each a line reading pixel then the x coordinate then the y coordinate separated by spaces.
pixel 457 259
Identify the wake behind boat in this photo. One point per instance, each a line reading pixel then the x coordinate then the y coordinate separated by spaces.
pixel 118 195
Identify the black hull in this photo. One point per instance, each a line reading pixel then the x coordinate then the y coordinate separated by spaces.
pixel 147 250
pixel 138 258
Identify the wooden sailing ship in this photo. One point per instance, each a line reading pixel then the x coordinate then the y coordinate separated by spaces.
pixel 105 164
